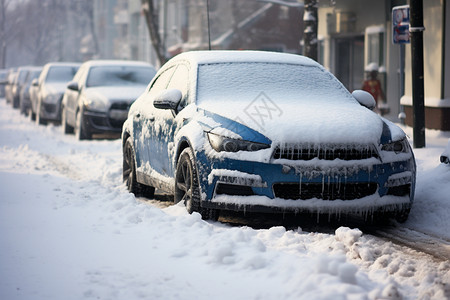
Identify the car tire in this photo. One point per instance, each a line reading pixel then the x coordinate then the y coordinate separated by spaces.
pixel 129 173
pixel 23 110
pixel 66 128
pixel 402 216
pixel 16 102
pixel 39 119
pixel 187 187
pixel 80 131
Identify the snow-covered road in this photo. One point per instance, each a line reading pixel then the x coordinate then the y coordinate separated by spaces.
pixel 70 230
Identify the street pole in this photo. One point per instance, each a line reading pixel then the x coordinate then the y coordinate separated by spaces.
pixel 416 29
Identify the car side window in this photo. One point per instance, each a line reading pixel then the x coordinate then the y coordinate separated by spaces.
pixel 180 81
pixel 161 82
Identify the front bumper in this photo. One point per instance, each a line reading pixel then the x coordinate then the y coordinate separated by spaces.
pixel 323 187
pixel 105 122
pixel 51 110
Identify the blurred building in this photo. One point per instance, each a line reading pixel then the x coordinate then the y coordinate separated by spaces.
pixel 355 33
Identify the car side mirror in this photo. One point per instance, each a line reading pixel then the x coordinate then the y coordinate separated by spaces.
pixel 73 86
pixel 168 99
pixel 364 98
pixel 35 82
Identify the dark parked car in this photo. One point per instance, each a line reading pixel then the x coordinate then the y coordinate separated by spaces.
pixel 25 102
pixel 51 85
pixel 98 98
pixel 18 84
pixel 3 81
pixel 264 132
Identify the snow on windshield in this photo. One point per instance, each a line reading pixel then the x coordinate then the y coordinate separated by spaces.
pixel 283 83
pixel 61 73
pixel 119 76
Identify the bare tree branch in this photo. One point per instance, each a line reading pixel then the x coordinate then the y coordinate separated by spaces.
pixel 152 23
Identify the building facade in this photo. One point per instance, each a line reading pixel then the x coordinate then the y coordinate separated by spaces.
pixel 354 34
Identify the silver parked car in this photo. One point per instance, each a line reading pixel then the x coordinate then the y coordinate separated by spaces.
pixel 12 74
pixel 25 102
pixel 51 85
pixel 98 98
pixel 3 81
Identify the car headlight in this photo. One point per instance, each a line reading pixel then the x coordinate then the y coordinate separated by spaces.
pixel 397 146
pixel 221 143
pixel 95 104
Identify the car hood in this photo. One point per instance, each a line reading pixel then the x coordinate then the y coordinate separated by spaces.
pixel 347 123
pixel 55 87
pixel 115 93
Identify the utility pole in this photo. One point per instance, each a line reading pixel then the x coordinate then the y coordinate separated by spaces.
pixel 416 29
pixel 310 32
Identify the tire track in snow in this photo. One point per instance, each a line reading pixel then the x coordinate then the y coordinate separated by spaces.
pixel 416 240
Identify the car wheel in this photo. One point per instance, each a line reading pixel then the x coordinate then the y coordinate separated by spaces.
pixel 129 173
pixel 66 128
pixel 23 110
pixel 39 119
pixel 16 102
pixel 80 131
pixel 402 216
pixel 187 188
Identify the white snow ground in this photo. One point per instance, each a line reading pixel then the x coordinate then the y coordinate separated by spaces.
pixel 70 230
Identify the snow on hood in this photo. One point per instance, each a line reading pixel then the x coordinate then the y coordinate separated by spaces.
pixel 112 93
pixel 55 87
pixel 306 123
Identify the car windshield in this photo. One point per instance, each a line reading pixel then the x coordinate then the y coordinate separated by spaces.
pixel 32 75
pixel 22 76
pixel 119 76
pixel 61 73
pixel 282 83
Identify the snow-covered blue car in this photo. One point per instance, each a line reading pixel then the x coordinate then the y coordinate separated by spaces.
pixel 264 132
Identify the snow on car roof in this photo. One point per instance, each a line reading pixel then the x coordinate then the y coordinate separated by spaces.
pixel 226 56
pixel 62 64
pixel 116 62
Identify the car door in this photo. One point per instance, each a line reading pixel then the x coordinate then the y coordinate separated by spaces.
pixel 148 153
pixel 71 97
pixel 166 125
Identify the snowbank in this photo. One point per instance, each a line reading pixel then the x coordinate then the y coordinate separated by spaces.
pixel 70 230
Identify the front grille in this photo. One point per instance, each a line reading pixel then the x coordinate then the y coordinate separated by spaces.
pixel 49 108
pixel 326 152
pixel 233 189
pixel 120 105
pixel 401 190
pixel 332 191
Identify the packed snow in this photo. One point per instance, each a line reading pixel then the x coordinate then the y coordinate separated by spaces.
pixel 69 229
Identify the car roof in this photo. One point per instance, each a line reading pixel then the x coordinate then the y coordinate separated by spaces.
pixel 117 63
pixel 69 64
pixel 230 56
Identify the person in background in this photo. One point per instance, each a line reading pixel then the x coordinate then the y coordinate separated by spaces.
pixel 373 85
